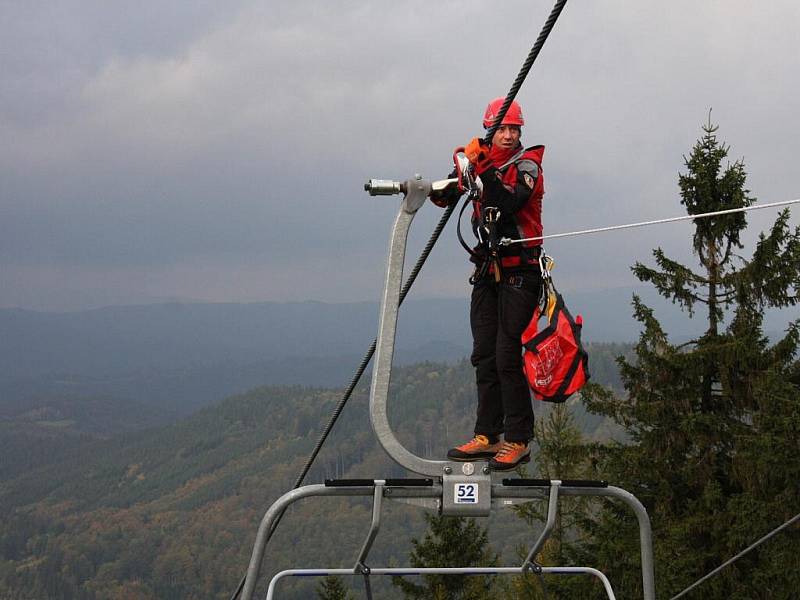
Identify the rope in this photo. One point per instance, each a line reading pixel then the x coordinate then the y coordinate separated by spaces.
pixel 509 241
pixel 738 556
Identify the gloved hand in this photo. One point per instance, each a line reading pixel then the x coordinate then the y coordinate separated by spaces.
pixel 447 196
pixel 477 153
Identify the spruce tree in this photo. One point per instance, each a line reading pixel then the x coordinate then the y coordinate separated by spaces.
pixel 713 425
pixel 450 542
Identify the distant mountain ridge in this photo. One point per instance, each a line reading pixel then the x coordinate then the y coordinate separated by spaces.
pixel 173 358
pixel 124 339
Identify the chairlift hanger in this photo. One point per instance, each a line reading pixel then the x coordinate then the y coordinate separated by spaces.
pixel 451 488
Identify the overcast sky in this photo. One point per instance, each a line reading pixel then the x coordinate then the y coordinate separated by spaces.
pixel 216 151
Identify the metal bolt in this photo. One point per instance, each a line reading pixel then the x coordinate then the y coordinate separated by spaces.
pixel 448 470
pixel 486 470
pixel 417 176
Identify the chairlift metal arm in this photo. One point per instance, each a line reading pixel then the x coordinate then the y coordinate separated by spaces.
pixel 416 191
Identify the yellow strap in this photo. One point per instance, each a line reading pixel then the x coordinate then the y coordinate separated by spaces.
pixel 551 307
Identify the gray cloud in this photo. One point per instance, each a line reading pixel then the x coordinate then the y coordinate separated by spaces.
pixel 217 150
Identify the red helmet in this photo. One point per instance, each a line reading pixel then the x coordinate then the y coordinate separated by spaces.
pixel 513 115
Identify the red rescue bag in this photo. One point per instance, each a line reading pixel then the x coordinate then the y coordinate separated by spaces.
pixel 554 359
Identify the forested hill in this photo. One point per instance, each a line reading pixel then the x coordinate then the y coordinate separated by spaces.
pixel 172 512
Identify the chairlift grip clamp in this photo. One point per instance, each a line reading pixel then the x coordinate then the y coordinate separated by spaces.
pixel 384 187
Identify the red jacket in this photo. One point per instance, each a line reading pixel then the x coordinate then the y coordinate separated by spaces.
pixel 515 185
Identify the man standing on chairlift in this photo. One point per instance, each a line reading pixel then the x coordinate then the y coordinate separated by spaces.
pixel 506 287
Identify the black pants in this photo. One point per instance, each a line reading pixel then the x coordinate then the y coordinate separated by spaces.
pixel 499 313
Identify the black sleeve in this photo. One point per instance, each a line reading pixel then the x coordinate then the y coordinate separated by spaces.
pixel 495 193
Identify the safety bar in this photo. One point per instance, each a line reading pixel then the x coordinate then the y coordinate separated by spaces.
pixel 435 491
pixel 400 571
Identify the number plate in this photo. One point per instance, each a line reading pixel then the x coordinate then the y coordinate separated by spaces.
pixel 466 493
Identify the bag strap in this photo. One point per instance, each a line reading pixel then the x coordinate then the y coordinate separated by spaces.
pixel 546 332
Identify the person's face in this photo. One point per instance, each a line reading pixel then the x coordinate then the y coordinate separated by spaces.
pixel 506 137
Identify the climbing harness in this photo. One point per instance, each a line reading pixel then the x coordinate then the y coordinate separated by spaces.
pixel 490 218
pixel 485 219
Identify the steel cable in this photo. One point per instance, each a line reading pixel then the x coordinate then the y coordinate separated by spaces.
pixel 738 556
pixel 526 67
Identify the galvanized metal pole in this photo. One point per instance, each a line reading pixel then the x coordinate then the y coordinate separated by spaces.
pixel 417 191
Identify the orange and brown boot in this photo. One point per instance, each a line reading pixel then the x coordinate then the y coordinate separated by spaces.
pixel 478 448
pixel 510 456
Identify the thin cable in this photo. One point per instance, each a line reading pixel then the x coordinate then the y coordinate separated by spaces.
pixel 508 241
pixel 738 556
